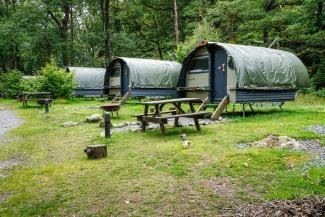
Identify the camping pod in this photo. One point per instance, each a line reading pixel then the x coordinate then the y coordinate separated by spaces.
pixel 90 81
pixel 142 77
pixel 246 74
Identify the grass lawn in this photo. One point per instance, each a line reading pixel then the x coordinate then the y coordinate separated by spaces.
pixel 146 174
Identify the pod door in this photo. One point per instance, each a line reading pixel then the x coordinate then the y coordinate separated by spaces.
pixel 219 75
pixel 124 79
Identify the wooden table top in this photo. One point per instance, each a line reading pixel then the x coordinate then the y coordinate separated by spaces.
pixel 36 93
pixel 158 102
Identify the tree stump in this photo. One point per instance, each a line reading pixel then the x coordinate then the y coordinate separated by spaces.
pixel 96 151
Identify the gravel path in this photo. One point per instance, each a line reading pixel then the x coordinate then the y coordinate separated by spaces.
pixel 8 121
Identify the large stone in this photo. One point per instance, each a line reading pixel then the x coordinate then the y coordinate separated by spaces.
pixel 70 124
pixel 94 118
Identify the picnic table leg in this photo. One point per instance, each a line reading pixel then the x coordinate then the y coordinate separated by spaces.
pixel 143 123
pixel 197 124
pixel 176 124
pixel 162 128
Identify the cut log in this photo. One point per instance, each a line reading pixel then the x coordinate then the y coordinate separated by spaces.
pixel 96 151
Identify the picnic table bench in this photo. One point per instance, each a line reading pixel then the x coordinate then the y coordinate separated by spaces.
pixel 41 98
pixel 158 115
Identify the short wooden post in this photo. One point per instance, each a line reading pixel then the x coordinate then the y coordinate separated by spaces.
pixel 96 151
pixel 107 125
pixel 46 103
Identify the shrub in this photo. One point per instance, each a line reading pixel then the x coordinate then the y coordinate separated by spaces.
pixel 12 82
pixel 56 80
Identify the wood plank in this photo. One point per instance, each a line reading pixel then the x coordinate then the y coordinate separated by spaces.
pixel 216 114
pixel 195 114
pixel 195 100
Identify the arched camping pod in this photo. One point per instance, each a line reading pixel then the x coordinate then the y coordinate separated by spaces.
pixel 246 74
pixel 143 77
pixel 90 81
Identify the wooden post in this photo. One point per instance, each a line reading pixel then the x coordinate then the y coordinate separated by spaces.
pixel 96 151
pixel 220 108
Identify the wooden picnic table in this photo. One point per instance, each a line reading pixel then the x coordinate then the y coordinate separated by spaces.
pixel 158 116
pixel 40 97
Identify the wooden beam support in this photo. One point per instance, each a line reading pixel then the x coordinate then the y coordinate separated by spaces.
pixel 222 106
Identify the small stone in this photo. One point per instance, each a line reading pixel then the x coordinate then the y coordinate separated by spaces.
pixel 127 202
pixel 70 124
pixel 186 144
pixel 183 137
pixel 220 118
pixel 94 118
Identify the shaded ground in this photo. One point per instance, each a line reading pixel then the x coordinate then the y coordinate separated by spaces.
pixel 8 121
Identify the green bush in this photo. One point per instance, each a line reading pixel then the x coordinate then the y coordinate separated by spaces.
pixel 203 31
pixel 56 80
pixel 12 82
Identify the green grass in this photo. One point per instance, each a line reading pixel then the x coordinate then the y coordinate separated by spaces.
pixel 152 172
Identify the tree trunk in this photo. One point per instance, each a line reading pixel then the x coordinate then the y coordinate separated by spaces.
pixel 176 21
pixel 65 34
pixel 159 50
pixel 319 15
pixel 71 36
pixel 105 14
pixel 265 35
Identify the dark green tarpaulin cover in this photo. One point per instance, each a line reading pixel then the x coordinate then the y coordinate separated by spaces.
pixel 88 78
pixel 265 68
pixel 149 73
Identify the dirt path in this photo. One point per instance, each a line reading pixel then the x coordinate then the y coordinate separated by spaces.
pixel 8 121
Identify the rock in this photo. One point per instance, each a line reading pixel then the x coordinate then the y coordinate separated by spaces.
pixel 277 141
pixel 220 118
pixel 186 144
pixel 70 124
pixel 120 125
pixel 102 124
pixel 183 137
pixel 320 129
pixel 94 118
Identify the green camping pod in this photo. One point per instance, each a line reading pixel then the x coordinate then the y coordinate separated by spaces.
pixel 90 81
pixel 142 77
pixel 246 74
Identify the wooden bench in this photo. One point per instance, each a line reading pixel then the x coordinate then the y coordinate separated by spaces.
pixel 161 120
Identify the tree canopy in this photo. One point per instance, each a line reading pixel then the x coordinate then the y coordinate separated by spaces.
pixel 90 33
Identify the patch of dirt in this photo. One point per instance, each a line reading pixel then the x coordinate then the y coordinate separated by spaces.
pixel 9 163
pixel 183 122
pixel 4 196
pixel 308 206
pixel 8 121
pixel 221 186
